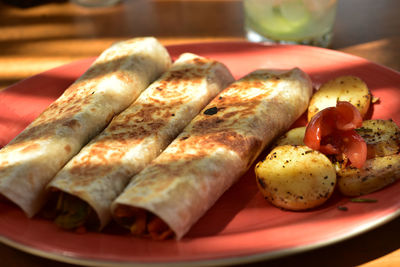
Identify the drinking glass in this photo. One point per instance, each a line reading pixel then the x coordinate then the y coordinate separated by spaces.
pixel 307 22
pixel 95 3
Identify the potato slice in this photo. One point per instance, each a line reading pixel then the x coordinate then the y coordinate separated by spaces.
pixel 296 177
pixel 382 137
pixel 293 137
pixel 344 88
pixel 376 174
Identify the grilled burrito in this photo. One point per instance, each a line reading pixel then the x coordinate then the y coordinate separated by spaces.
pixel 110 85
pixel 84 189
pixel 167 197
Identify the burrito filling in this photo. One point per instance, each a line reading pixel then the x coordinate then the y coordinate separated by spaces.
pixel 70 212
pixel 143 223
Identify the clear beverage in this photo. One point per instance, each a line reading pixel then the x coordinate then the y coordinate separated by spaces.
pixel 95 3
pixel 290 21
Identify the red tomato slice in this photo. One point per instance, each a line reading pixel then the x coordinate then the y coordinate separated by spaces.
pixel 349 117
pixel 331 131
pixel 355 148
pixel 321 125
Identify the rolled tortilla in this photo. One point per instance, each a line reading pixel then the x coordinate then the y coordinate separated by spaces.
pixel 109 86
pixel 213 151
pixel 101 170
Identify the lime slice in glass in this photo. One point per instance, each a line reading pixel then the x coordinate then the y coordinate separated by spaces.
pixel 283 20
pixel 295 13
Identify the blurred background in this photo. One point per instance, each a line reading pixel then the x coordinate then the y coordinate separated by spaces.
pixel 36 35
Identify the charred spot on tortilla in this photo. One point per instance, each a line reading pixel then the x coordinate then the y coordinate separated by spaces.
pixel 199 61
pixel 232 140
pixel 73 124
pixel 211 111
pixel 67 148
pixel 30 148
pixel 177 76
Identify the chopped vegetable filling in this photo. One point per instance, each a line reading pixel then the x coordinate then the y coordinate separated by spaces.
pixel 143 223
pixel 72 213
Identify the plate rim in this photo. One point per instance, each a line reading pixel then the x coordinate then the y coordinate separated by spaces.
pixel 211 262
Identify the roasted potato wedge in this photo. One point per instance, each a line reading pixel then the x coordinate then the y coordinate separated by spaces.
pixel 293 137
pixel 344 88
pixel 382 137
pixel 296 177
pixel 376 173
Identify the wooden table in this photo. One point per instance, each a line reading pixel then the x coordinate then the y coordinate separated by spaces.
pixel 54 33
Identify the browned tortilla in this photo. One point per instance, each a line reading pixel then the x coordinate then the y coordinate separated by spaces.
pixel 213 151
pixel 99 173
pixel 109 86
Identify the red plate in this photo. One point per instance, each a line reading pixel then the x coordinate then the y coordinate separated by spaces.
pixel 242 226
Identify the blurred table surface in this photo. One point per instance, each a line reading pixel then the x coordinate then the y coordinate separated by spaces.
pixel 40 37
